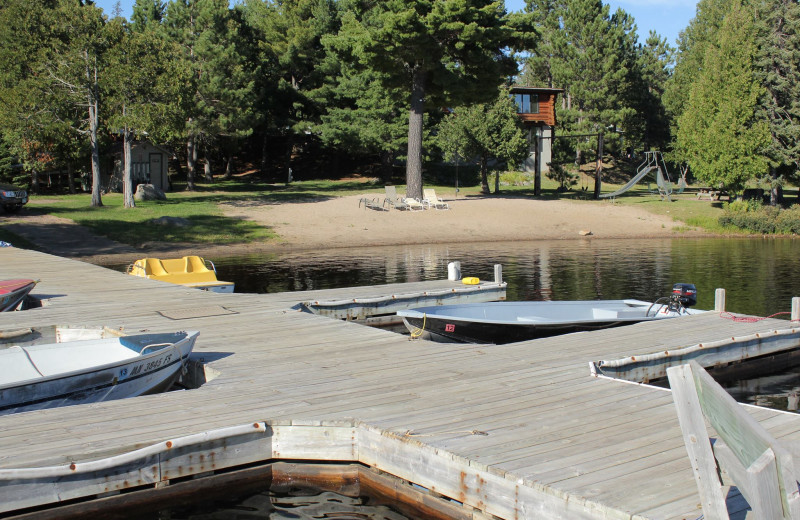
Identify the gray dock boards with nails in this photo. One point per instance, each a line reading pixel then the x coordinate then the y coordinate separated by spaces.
pixel 528 412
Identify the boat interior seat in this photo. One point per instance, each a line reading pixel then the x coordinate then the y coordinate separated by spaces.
pixel 17 366
pixel 604 314
pixel 195 264
pixel 153 267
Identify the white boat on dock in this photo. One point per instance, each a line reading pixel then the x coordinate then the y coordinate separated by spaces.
pixel 508 322
pixel 47 375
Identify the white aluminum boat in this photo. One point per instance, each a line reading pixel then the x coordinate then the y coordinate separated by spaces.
pixel 47 375
pixel 507 322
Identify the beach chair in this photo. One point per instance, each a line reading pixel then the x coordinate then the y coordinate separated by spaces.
pixel 393 200
pixel 430 198
pixel 414 204
pixel 370 202
pixel 761 467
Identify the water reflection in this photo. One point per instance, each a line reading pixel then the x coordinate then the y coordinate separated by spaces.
pixel 758 274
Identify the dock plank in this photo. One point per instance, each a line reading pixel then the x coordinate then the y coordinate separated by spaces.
pixel 549 422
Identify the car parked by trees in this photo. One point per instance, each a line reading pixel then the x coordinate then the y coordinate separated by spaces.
pixel 12 198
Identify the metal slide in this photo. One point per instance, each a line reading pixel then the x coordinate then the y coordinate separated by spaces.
pixel 650 163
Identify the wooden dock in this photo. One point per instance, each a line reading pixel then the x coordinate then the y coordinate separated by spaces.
pixel 518 431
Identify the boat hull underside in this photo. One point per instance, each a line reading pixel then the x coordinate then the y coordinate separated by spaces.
pixel 449 330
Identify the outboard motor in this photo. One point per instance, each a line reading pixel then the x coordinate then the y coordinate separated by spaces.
pixel 683 295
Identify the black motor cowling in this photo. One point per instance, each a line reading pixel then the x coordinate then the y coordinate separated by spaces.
pixel 685 294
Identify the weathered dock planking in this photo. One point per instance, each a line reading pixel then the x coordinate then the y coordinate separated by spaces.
pixel 518 431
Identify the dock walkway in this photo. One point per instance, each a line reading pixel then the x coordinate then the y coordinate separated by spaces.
pixel 530 413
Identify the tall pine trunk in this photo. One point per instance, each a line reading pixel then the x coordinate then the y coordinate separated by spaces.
pixel 127 173
pixel 415 121
pixel 71 177
pixel 207 169
pixel 191 162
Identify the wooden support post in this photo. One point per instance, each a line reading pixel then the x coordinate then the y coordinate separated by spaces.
pixel 537 162
pixel 498 273
pixel 719 300
pixel 795 309
pixel 598 173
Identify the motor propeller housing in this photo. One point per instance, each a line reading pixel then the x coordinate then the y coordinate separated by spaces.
pixel 684 294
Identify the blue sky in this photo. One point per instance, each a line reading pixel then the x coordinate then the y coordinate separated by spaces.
pixel 666 17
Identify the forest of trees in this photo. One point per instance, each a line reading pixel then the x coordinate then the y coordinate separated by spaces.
pixel 416 81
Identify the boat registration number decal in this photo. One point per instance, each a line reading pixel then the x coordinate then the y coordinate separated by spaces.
pixel 449 327
pixel 152 365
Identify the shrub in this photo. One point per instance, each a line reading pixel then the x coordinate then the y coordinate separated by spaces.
pixel 516 178
pixel 754 217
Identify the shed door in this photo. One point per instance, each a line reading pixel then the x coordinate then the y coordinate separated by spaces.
pixel 156 175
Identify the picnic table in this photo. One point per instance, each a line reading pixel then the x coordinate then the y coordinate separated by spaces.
pixel 712 194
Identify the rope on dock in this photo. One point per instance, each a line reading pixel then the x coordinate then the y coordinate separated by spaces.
pixel 748 319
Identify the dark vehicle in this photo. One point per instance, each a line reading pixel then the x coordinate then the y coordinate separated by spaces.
pixel 12 198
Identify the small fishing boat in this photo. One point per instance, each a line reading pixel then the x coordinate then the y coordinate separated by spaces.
pixel 508 322
pixel 12 292
pixel 47 375
pixel 191 271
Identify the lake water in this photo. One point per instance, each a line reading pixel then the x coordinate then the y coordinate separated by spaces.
pixel 758 274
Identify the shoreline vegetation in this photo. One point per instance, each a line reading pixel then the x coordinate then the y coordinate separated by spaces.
pixel 238 218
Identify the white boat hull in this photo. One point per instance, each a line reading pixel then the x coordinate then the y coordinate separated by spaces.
pixel 140 374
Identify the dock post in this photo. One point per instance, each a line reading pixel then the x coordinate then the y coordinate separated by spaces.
pixel 498 273
pixel 719 300
pixel 454 271
pixel 795 309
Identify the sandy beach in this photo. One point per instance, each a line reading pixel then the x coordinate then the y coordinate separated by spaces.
pixel 342 222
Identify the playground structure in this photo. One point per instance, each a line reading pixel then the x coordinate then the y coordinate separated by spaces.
pixel 653 161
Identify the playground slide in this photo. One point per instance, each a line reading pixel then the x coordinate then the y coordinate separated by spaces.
pixel 639 176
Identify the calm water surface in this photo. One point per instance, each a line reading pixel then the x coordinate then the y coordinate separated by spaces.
pixel 758 274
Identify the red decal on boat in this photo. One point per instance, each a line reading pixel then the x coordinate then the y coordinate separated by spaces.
pixel 449 327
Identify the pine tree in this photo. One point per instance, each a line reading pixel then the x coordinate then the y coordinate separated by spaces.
pixel 442 53
pixel 212 85
pixel 778 66
pixel 718 132
pixel 289 37
pixel 51 77
pixel 589 53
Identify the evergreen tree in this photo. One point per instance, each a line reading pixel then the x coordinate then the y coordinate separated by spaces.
pixel 589 53
pixel 778 68
pixel 51 77
pixel 442 53
pixel 485 131
pixel 692 46
pixel 719 133
pixel 289 34
pixel 649 123
pixel 212 87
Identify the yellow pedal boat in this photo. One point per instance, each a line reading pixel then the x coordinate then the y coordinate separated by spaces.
pixel 191 271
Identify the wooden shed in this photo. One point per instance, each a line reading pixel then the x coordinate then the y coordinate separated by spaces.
pixel 149 163
pixel 536 109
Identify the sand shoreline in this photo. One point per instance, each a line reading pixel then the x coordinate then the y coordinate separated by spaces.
pixel 342 222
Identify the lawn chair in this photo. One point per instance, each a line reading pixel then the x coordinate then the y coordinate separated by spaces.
pixel 760 467
pixel 414 204
pixel 430 198
pixel 393 200
pixel 370 202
